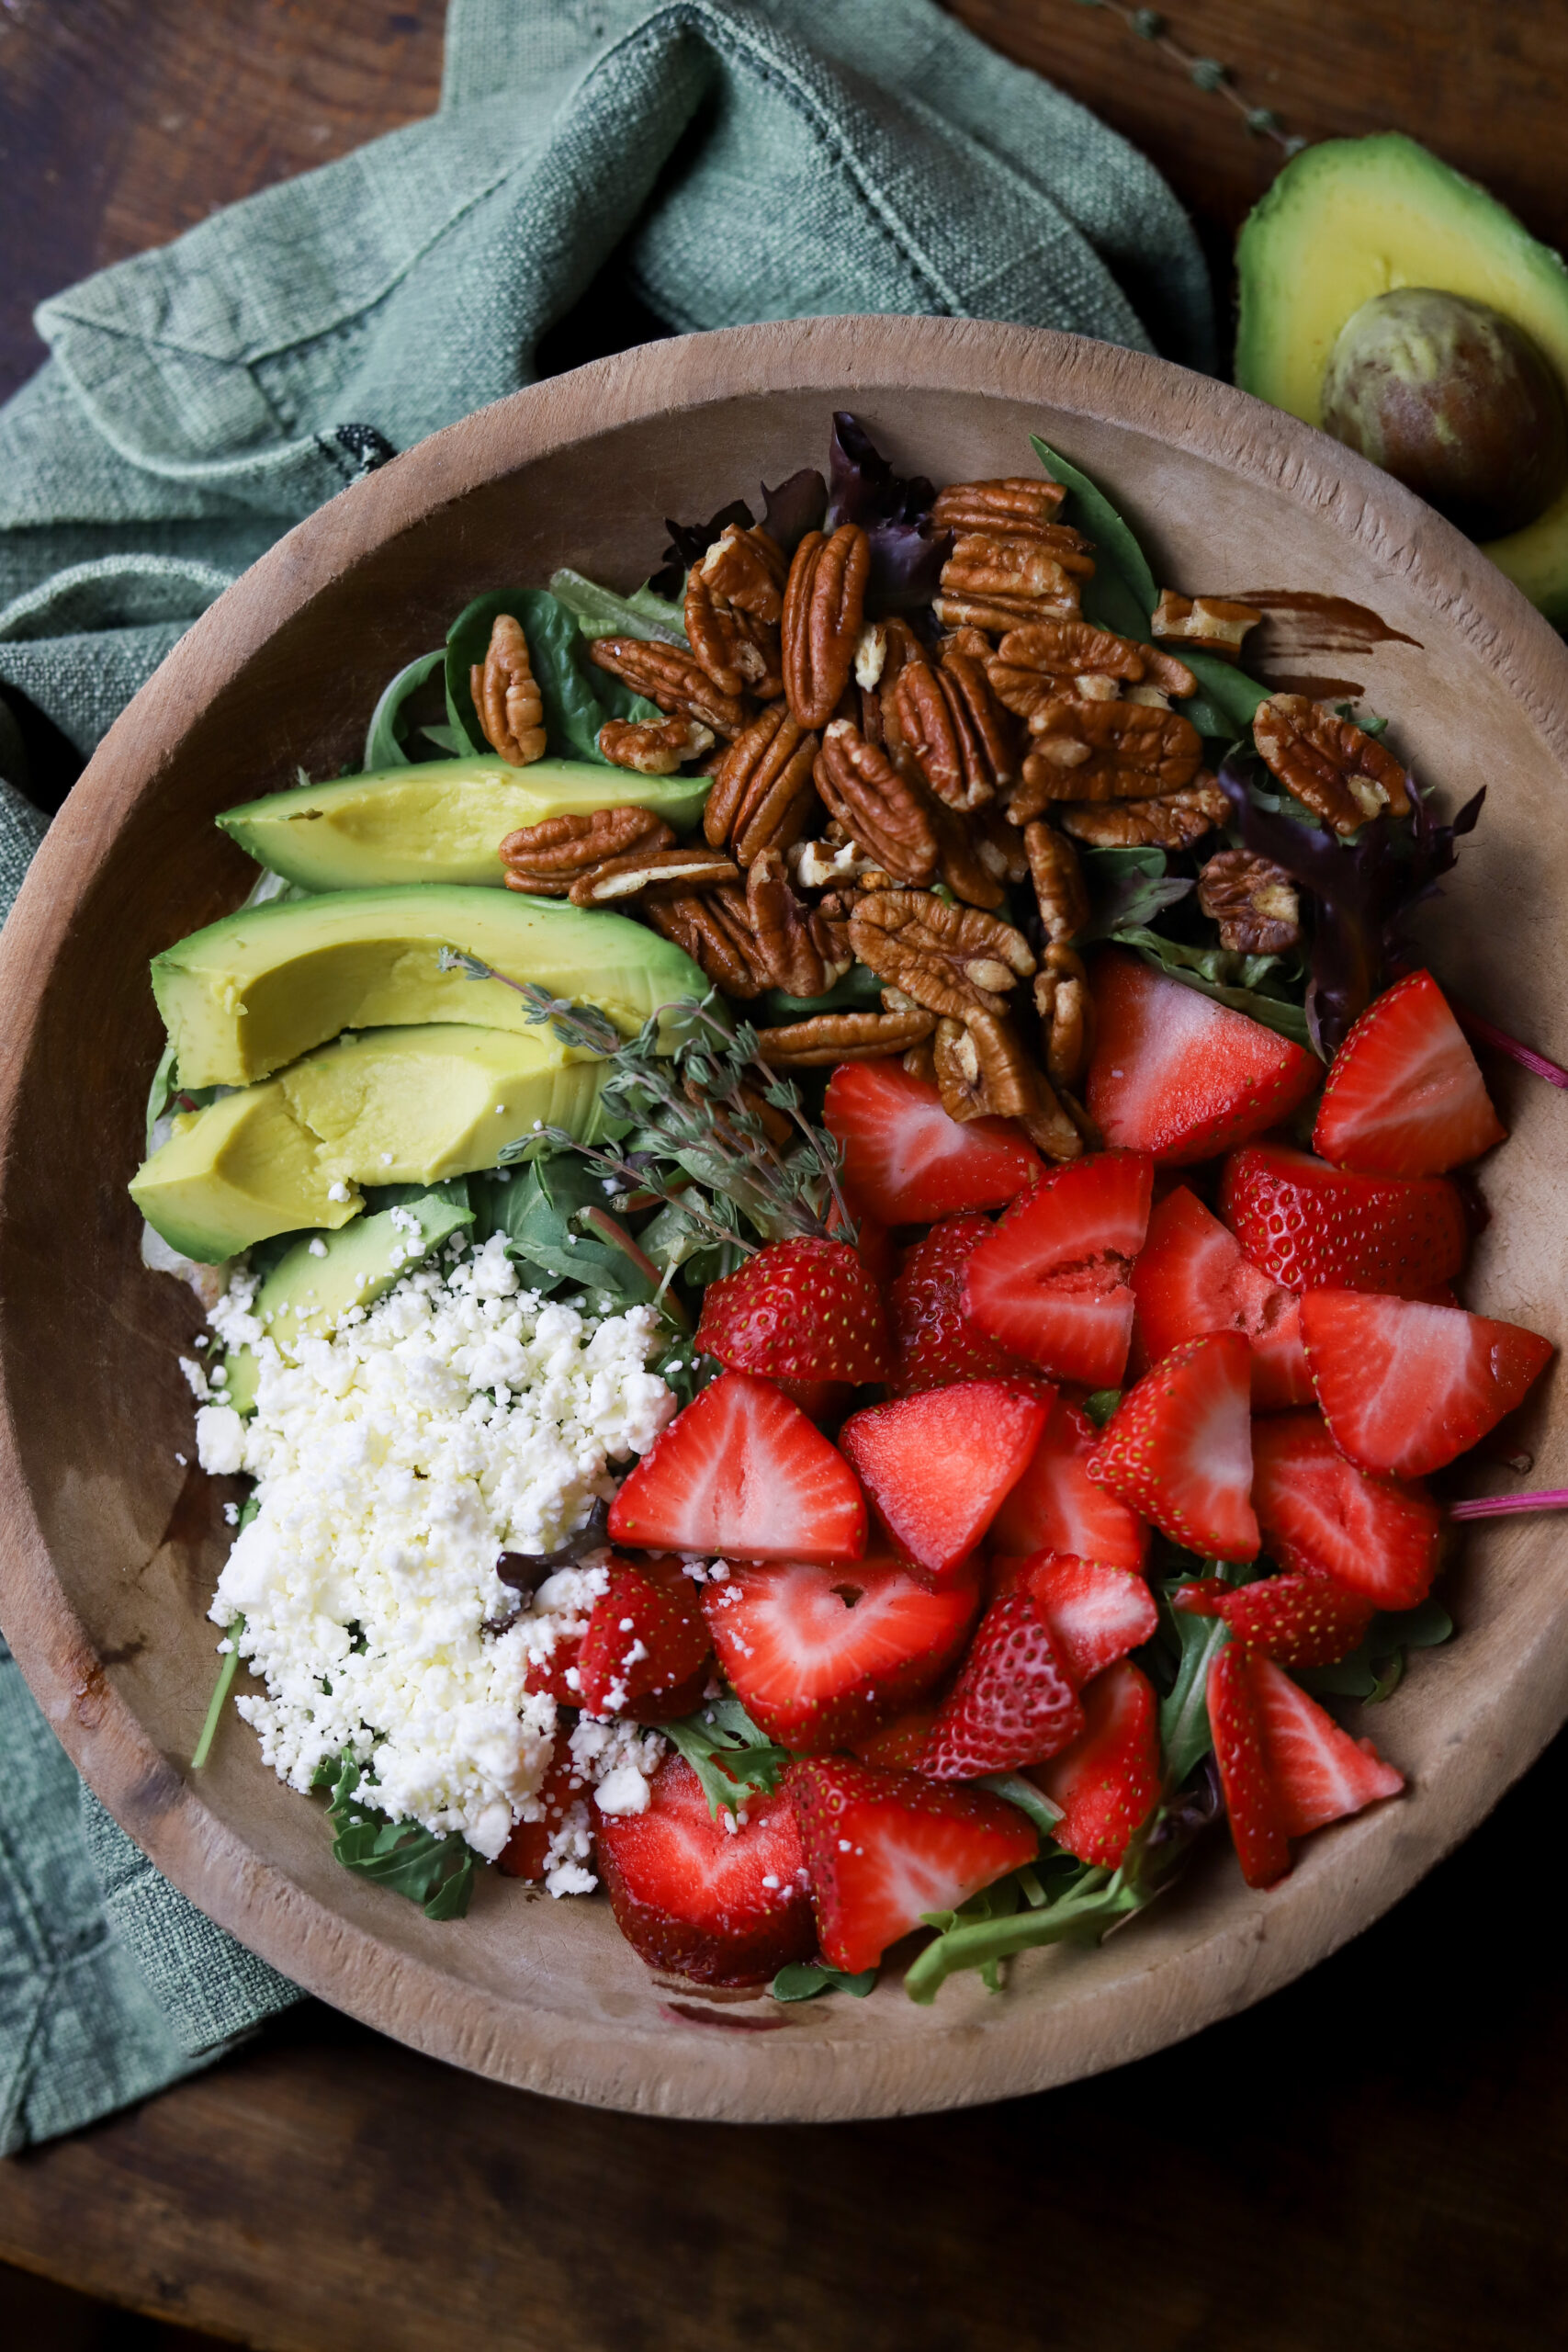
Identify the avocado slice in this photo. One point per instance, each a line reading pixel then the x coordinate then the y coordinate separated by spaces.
pixel 393 1106
pixel 259 989
pixel 440 821
pixel 314 1284
pixel 1353 218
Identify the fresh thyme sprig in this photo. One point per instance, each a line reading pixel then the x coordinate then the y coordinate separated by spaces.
pixel 574 1025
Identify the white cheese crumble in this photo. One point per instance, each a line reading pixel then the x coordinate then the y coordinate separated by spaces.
pixel 458 1418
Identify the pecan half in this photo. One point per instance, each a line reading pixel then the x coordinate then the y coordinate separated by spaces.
pixel 716 935
pixel 1034 662
pixel 546 859
pixel 998 846
pixel 1062 1000
pixel 876 808
pixel 1327 763
pixel 1060 890
pixel 674 680
pixel 983 564
pixel 650 749
pixel 1203 620
pixel 1253 900
pixel 984 732
pixel 762 796
pixel 920 1060
pixel 917 721
pixel 982 1071
pixel 1000 614
pixel 1175 821
pixel 505 698
pixel 734 600
pixel 844 1038
pixel 824 612
pixel 747 568
pixel 961 862
pixel 1105 750
pixel 827 865
pixel 794 943
pixel 675 870
pixel 953 960
pixel 1014 506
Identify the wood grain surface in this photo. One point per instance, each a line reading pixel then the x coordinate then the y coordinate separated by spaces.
pixel 1375 2157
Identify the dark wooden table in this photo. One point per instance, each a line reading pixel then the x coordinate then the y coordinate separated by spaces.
pixel 1374 2159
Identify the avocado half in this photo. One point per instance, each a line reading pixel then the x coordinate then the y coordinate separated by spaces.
pixel 1355 217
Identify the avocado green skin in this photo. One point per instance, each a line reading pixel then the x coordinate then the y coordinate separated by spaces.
pixel 304 1293
pixel 254 992
pixel 438 820
pixel 1353 218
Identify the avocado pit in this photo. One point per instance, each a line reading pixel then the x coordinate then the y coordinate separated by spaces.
pixel 1454 400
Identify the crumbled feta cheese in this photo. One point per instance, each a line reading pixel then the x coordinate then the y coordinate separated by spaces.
pixel 622 1792
pixel 220 1441
pixel 338 1192
pixel 195 1379
pixel 318 1248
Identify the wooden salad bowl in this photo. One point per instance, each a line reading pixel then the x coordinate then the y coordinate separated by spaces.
pixel 110 1549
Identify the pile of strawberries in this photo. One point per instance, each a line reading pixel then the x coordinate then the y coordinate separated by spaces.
pixel 951 1587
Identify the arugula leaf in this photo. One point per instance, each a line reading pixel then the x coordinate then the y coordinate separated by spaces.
pixel 1185 1737
pixel 391 726
pixel 802 1980
pixel 730 1756
pixel 859 990
pixel 576 702
pixel 436 1872
pixel 1132 902
pixel 543 1213
pixel 1241 981
pixel 1023 1793
pixel 602 612
pixel 1229 695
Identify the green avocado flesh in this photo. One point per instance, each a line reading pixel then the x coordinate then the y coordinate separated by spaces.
pixel 310 1294
pixel 255 991
pixel 1354 218
pixel 394 1106
pixel 441 821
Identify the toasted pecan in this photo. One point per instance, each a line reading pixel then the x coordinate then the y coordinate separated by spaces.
pixel 734 601
pixel 1060 891
pixel 505 696
pixel 876 806
pixel 653 750
pixel 1065 1007
pixel 674 680
pixel 1328 763
pixel 671 872
pixel 1014 506
pixel 763 797
pixel 824 612
pixel 1214 621
pixel 1253 900
pixel 1174 821
pixel 713 929
pixel 546 859
pixel 953 960
pixel 795 944
pixel 844 1038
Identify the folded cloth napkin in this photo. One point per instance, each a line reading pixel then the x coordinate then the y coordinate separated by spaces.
pixel 690 164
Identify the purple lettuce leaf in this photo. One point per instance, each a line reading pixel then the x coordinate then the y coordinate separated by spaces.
pixel 907 552
pixel 795 507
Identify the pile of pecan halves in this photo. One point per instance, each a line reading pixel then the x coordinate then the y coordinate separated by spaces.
pixel 875 795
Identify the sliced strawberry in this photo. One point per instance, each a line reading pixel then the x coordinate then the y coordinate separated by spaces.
pixel 693 1896
pixel 1406 1387
pixel 873 1242
pixel 1056 1507
pixel 905 1161
pixel 896 1746
pixel 1190 1277
pixel 1095 1614
pixel 1175 1074
pixel 1301 1619
pixel 559 1676
pixel 822 1401
pixel 1252 1802
pixel 1108 1781
pixel 526 1852
pixel 1050 1283
pixel 1319 1773
pixel 820 1655
pixel 1012 1702
pixel 647 1642
pixel 1317 1511
pixel 933 1341
pixel 885 1848
pixel 1178 1448
pixel 798 1310
pixel 1316 1228
pixel 1406 1096
pixel 936 1465
pixel 742 1472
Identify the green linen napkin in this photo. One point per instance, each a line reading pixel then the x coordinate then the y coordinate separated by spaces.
pixel 710 163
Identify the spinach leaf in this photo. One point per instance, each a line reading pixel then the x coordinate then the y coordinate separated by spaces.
pixel 1375 1669
pixel 1247 983
pixel 546 1213
pixel 1132 901
pixel 438 1872
pixel 600 612
pixel 730 1756
pixel 577 702
pixel 392 727
pixel 802 1980
pixel 859 990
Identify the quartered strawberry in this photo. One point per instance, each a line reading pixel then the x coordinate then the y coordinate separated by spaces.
pixel 1316 1228
pixel 558 1676
pixel 873 1240
pixel 1190 1277
pixel 1304 1618
pixel 1319 1773
pixel 1051 1282
pixel 742 1472
pixel 1056 1507
pixel 1107 1781
pixel 1178 1448
pixel 1317 1511
pixel 933 1341
pixel 1175 1074
pixel 647 1644
pixel 1012 1702
pixel 1404 1096
pixel 692 1895
pixel 820 1655
pixel 1095 1614
pixel 524 1852
pixel 1252 1802
pixel 1406 1387
pixel 936 1465
pixel 883 1848
pixel 823 1401
pixel 905 1161
pixel 896 1746
pixel 806 1309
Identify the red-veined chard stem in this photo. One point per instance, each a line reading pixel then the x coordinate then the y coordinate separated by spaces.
pixel 1500 1506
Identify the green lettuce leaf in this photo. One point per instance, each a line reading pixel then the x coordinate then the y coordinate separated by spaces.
pixel 1247 983
pixel 436 1872
pixel 577 699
